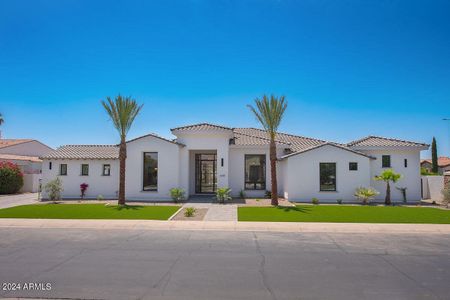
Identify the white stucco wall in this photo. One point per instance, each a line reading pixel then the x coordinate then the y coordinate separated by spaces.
pixel 98 184
pixel 237 170
pixel 302 174
pixel 168 168
pixel 32 148
pixel 198 141
pixel 410 175
pixel 432 187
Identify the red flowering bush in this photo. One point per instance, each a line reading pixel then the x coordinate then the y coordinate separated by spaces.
pixel 83 188
pixel 11 178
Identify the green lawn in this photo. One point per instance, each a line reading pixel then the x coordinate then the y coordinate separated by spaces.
pixel 345 214
pixel 89 211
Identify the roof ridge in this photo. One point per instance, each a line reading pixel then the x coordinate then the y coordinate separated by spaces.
pixel 88 145
pixel 156 136
pixel 200 124
pixel 384 138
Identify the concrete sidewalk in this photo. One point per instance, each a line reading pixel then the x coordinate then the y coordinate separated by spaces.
pixel 228 226
pixel 7 201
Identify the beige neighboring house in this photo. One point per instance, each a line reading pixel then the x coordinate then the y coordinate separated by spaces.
pixel 443 164
pixel 25 153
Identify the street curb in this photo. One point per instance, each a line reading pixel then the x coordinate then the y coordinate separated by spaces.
pixel 298 227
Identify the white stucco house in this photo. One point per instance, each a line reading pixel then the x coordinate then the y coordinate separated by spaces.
pixel 204 156
pixel 25 153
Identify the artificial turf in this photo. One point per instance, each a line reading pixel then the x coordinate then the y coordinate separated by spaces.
pixel 89 211
pixel 345 214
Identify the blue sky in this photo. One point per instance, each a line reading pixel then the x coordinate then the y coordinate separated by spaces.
pixel 347 69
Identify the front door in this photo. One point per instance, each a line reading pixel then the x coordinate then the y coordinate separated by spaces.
pixel 205 173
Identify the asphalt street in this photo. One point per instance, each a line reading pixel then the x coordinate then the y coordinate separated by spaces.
pixel 145 264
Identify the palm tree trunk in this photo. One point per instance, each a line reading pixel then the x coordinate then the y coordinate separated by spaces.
pixel 387 199
pixel 273 171
pixel 122 159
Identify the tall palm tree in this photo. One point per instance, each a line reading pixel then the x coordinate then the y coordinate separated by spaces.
pixel 269 112
pixel 1 119
pixel 122 111
pixel 388 176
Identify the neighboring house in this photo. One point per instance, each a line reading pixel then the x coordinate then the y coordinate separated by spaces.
pixel 25 153
pixel 205 156
pixel 443 164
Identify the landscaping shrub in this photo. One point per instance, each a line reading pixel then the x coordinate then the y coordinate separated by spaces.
pixel 223 194
pixel 339 201
pixel 365 194
pixel 403 191
pixel 242 194
pixel 315 201
pixel 177 194
pixel 54 189
pixel 189 212
pixel 268 194
pixel 100 198
pixel 83 188
pixel 11 178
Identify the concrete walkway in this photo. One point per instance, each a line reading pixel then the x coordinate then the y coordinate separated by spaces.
pixel 19 199
pixel 229 226
pixel 216 212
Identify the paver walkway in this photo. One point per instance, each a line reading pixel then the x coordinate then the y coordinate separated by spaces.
pixel 216 212
pixel 16 200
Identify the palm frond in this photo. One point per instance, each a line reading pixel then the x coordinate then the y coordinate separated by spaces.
pixel 269 112
pixel 122 112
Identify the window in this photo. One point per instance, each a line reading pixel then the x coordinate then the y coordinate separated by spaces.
pixel 150 179
pixel 353 166
pixel 386 161
pixel 106 170
pixel 405 161
pixel 84 170
pixel 327 177
pixel 255 172
pixel 49 165
pixel 63 169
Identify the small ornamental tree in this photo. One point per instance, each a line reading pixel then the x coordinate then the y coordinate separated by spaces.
pixel 365 194
pixel 54 189
pixel 388 176
pixel 11 178
pixel 434 157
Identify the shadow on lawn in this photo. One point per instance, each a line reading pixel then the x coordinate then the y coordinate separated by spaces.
pixel 126 207
pixel 305 210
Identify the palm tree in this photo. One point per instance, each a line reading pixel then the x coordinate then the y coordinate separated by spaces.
pixel 388 176
pixel 269 113
pixel 122 111
pixel 1 119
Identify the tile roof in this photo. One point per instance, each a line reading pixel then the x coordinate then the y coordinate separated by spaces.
pixel 377 141
pixel 11 142
pixel 156 136
pixel 201 127
pixel 443 161
pixel 20 157
pixel 250 140
pixel 343 147
pixel 296 143
pixel 84 152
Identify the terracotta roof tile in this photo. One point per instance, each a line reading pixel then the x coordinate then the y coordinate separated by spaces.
pixel 20 157
pixel 84 152
pixel 377 141
pixel 295 142
pixel 201 127
pixel 11 142
pixel 443 161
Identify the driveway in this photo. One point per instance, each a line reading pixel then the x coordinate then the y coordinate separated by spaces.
pixel 19 199
pixel 145 264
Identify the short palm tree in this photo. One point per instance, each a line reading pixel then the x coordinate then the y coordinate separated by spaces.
pixel 388 176
pixel 269 112
pixel 122 111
